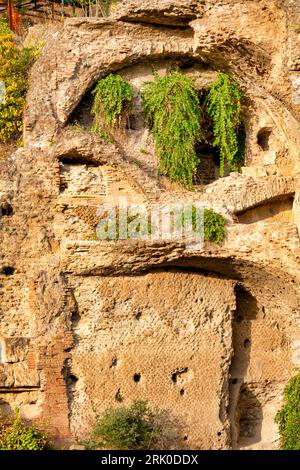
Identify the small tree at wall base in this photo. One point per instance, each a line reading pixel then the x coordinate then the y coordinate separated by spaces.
pixel 125 428
pixel 172 111
pixel 223 106
pixel 112 100
pixel 288 418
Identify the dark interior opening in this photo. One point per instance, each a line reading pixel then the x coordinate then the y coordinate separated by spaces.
pixel 209 166
pixel 8 270
pixel 263 137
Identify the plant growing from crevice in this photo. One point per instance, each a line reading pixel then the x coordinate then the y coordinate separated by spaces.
pixel 15 62
pixel 112 101
pixel 125 428
pixel 172 110
pixel 16 435
pixel 288 418
pixel 214 226
pixel 223 105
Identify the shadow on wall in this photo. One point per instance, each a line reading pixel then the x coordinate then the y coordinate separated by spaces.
pixel 245 410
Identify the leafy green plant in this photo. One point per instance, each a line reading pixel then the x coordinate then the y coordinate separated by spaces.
pixel 15 62
pixel 15 435
pixel 125 428
pixel 223 106
pixel 112 100
pixel 214 226
pixel 288 418
pixel 172 111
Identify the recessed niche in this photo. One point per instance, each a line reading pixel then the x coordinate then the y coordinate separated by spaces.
pixel 8 270
pixel 247 343
pixel 75 318
pixel 177 373
pixel 263 138
pixel 182 392
pixel 6 210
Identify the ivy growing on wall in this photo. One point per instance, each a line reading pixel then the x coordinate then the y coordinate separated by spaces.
pixel 223 106
pixel 172 110
pixel 112 100
pixel 288 418
pixel 15 61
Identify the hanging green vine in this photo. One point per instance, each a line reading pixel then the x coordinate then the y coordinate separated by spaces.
pixel 288 417
pixel 223 106
pixel 172 110
pixel 112 99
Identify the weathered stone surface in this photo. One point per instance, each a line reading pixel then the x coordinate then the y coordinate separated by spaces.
pixel 208 334
pixel 168 12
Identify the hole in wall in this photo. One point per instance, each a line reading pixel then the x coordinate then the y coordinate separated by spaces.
pixel 72 380
pixel 138 315
pixel 8 270
pixel 75 318
pixel 113 363
pixel 209 165
pixel 137 378
pixel 182 392
pixel 177 373
pixel 263 138
pixel 6 210
pixel 118 396
pixel 247 343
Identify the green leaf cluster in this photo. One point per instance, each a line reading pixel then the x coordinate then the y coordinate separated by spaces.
pixel 112 97
pixel 125 428
pixel 223 105
pixel 16 435
pixel 15 61
pixel 172 110
pixel 288 418
pixel 214 226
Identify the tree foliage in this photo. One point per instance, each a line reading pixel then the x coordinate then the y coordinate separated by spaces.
pixel 15 61
pixel 112 98
pixel 223 105
pixel 15 435
pixel 288 418
pixel 125 428
pixel 172 110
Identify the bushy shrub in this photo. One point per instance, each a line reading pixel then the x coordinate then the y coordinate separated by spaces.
pixel 125 428
pixel 15 435
pixel 288 418
pixel 15 61
pixel 214 226
pixel 112 99
pixel 172 110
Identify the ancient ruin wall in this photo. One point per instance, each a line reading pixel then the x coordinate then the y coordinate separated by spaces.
pixel 210 336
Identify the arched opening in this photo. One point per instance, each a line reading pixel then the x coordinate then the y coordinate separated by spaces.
pixel 263 138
